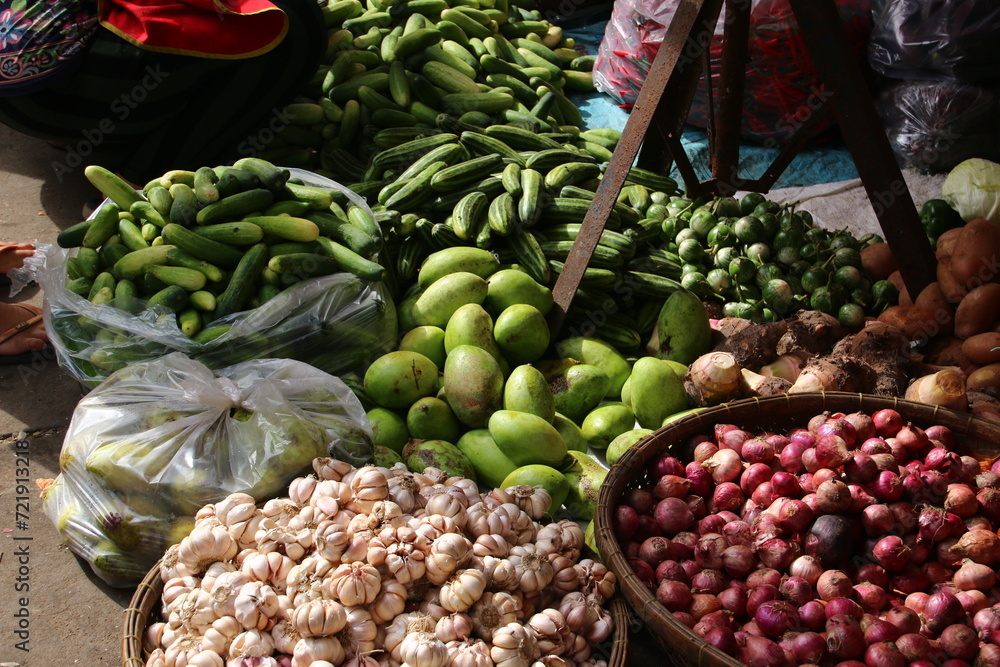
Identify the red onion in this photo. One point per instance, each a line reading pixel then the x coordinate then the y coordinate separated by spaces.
pixel 727 496
pixel 873 446
pixel 987 620
pixel 959 641
pixel 834 497
pixel 776 617
pixel 713 523
pixel 831 451
pixel 813 615
pixel 708 550
pixel 914 646
pixel 685 618
pixel 654 550
pixel 816 421
pixel 975 576
pixel 723 639
pixel 844 606
pixel 778 553
pixel 806 483
pixel 690 568
pixel 734 600
pixel 764 576
pixel 673 516
pixel 860 498
pixel 763 494
pixel 872 598
pixel 708 581
pixel 759 595
pixel 987 480
pixel 785 485
pixel 806 568
pixel 989 503
pixel 671 569
pixel 721 429
pixel 989 656
pixel 906 515
pixel 917 601
pixel 913 438
pixel 844 639
pixel 887 487
pixel 864 425
pixel 738 561
pixel 791 457
pixel 812 502
pixel 823 475
pixel 936 573
pixel 631 549
pixel 884 654
pixel 793 515
pixel 641 499
pixel 761 652
pixel 796 590
pixel 973 601
pixel 941 459
pixel 860 468
pixel 803 436
pixel 733 439
pixel 904 618
pixel 892 553
pixel 877 520
pixel 644 572
pixel 872 574
pixel 910 580
pixel 878 630
pixel 943 609
pixel 738 533
pixel 701 479
pixel 697 506
pixel 831 539
pixel 933 525
pixel 704 450
pixel 808 648
pixel 754 475
pixel 647 527
pixel 777 441
pixel 887 422
pixel 672 486
pixel 942 433
pixel 978 523
pixel 757 450
pixel 703 604
pixel 810 461
pixel 841 428
pixel 834 584
pixel 981 546
pixel 673 595
pixel 666 464
pixel 885 462
pixel 684 545
pixel 625 522
pixel 900 454
pixel 716 619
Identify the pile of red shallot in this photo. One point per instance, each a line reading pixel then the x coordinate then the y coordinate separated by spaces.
pixel 858 540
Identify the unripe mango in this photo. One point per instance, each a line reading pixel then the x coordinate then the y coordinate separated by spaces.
pixel 440 300
pixel 522 333
pixel 527 391
pixel 606 422
pixel 526 438
pixel 472 325
pixel 397 379
pixel 578 390
pixel 491 465
pixel 510 286
pixel 438 264
pixel 623 443
pixel 585 477
pixel 601 354
pixel 420 454
pixel 388 429
pixel 431 418
pixel 428 341
pixel 570 432
pixel 655 391
pixel 473 384
pixel 683 332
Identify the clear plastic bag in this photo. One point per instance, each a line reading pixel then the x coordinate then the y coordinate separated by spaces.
pixel 936 39
pixel 159 440
pixel 338 323
pixel 781 81
pixel 934 125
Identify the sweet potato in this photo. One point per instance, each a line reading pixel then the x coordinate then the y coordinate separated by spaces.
pixel 975 259
pixel 878 261
pixel 946 243
pixel 904 295
pixel 985 379
pixel 982 348
pixel 933 299
pixel 919 324
pixel 952 289
pixel 977 312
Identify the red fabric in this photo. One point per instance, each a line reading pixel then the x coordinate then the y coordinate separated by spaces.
pixel 206 28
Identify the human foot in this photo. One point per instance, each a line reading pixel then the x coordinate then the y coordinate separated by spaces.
pixel 21 330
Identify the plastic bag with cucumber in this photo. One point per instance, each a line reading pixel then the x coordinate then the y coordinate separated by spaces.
pixel 114 298
pixel 159 440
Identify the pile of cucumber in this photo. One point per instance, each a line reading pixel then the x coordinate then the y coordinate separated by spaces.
pixel 208 243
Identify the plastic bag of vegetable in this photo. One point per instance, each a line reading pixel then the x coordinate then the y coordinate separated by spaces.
pixel 934 125
pixel 337 323
pixel 936 39
pixel 158 440
pixel 973 189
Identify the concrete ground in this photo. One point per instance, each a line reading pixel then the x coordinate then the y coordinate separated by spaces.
pixel 67 615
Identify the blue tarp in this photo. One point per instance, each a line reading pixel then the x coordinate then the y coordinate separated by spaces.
pixel 812 166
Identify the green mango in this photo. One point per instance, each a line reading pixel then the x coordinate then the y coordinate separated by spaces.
pixel 683 332
pixel 598 353
pixel 472 325
pixel 440 300
pixel 590 537
pixel 526 438
pixel 389 429
pixel 627 391
pixel 570 432
pixel 430 418
pixel 585 476
pixel 678 367
pixel 385 457
pixel 623 442
pixel 527 391
pixel 656 392
pixel 404 312
pixel 606 422
pixel 511 286
pixel 428 341
pixel 547 477
pixel 421 454
pixel 522 333
pixel 473 384
pixel 579 389
pixel 397 379
pixel 491 465
pixel 458 259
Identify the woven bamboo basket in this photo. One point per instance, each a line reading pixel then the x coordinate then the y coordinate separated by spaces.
pixel 978 437
pixel 145 606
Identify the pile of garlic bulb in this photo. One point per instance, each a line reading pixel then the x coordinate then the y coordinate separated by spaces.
pixel 380 566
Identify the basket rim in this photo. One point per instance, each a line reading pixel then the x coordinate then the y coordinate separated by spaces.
pixel 660 622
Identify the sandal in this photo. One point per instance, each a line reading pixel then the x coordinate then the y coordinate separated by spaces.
pixel 32 316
